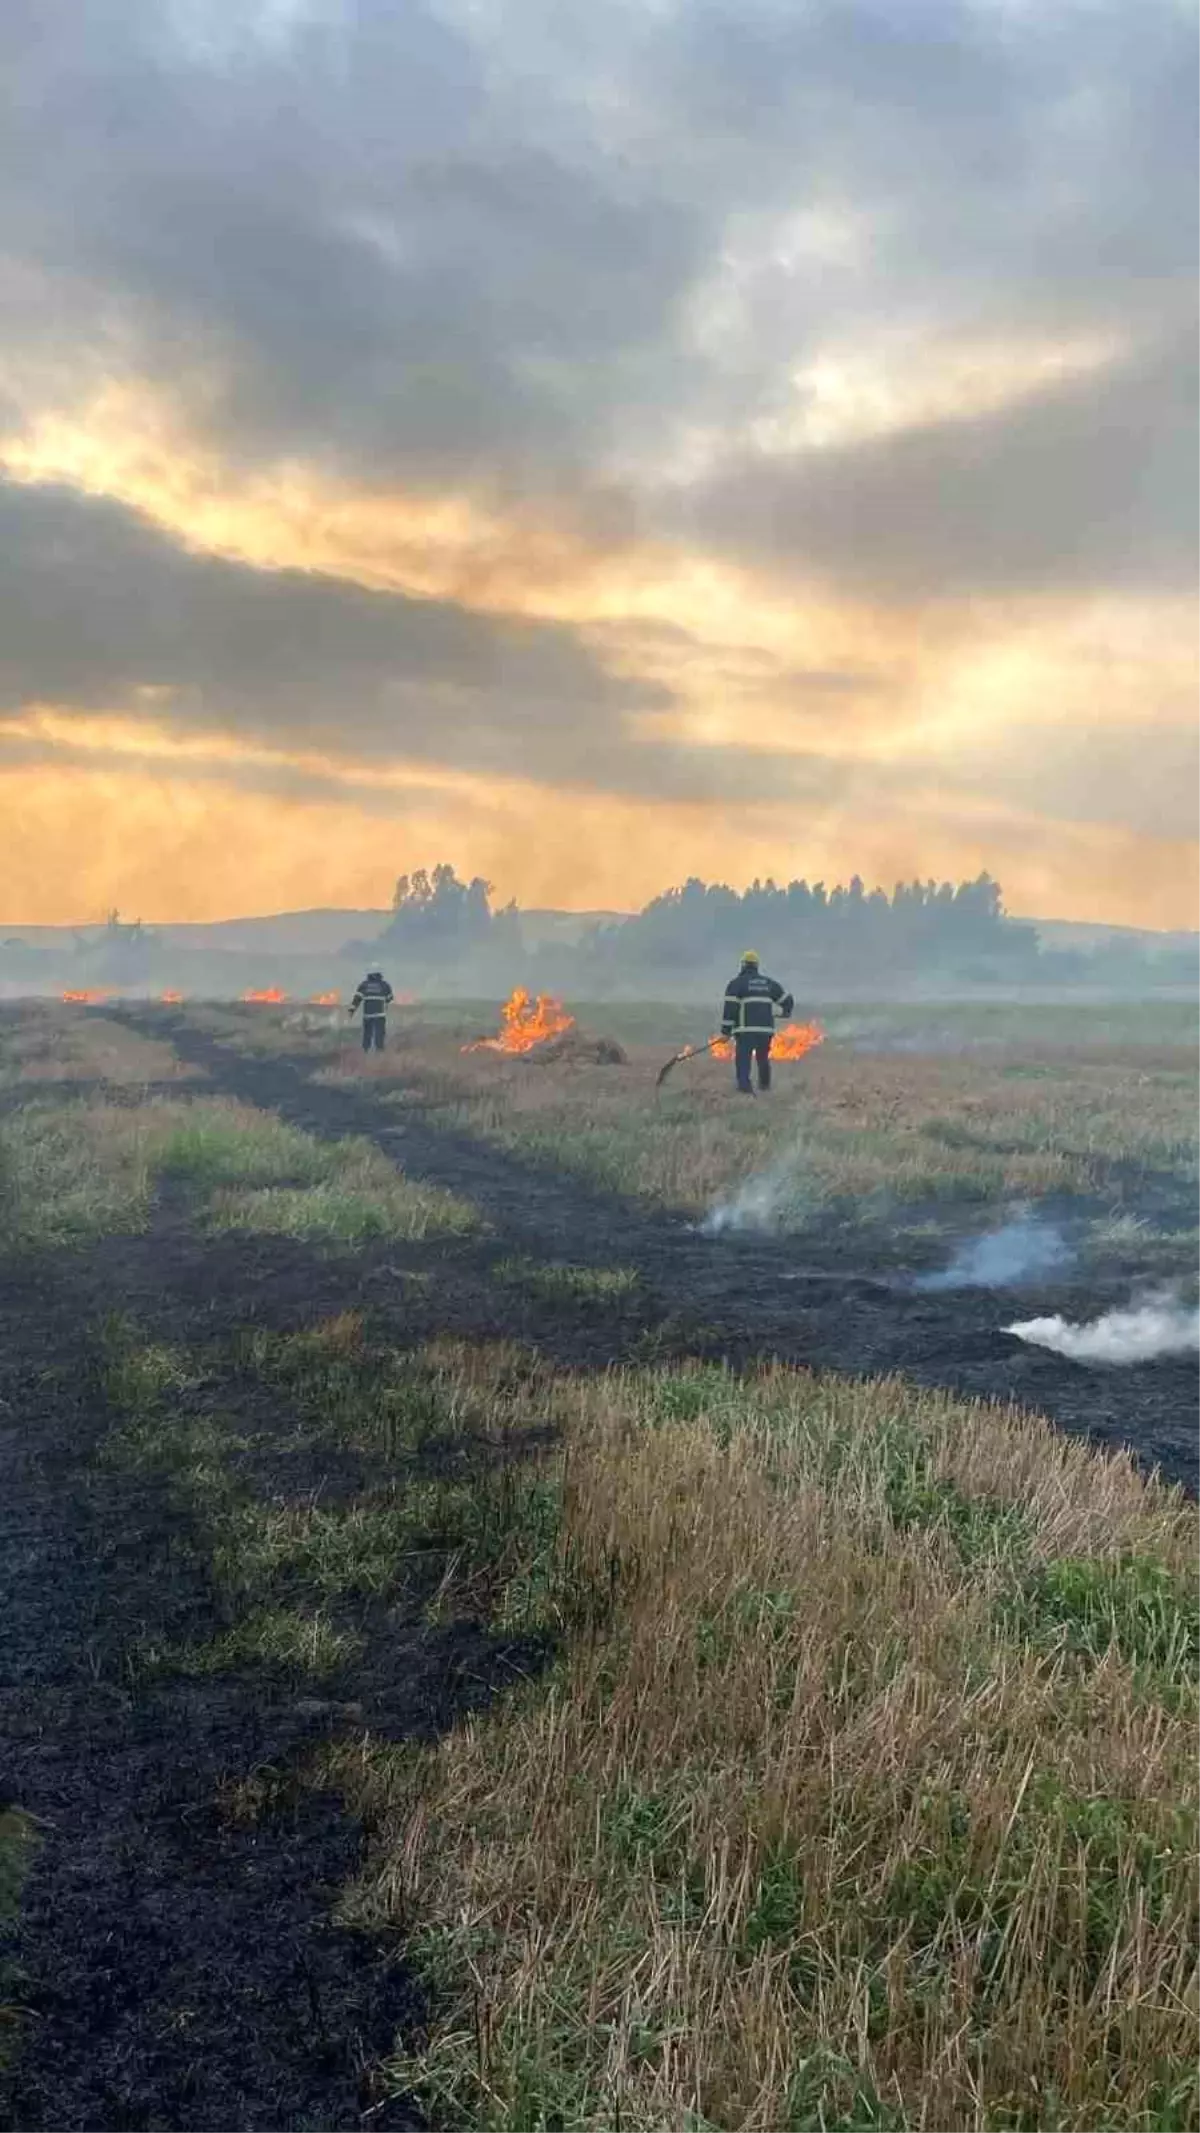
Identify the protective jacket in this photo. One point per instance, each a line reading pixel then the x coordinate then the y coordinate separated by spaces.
pixel 374 996
pixel 750 1003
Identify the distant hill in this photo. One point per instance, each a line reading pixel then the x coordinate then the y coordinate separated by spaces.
pixel 281 933
pixel 1079 933
pixel 320 932
pixel 325 932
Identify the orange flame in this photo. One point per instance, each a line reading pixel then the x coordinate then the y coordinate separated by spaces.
pixel 526 1022
pixel 324 999
pixel 797 1038
pixel 88 998
pixel 269 997
pixel 172 999
pixel 791 1042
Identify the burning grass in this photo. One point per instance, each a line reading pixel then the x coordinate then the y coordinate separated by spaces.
pixel 814 1825
pixel 526 1021
pixel 78 1170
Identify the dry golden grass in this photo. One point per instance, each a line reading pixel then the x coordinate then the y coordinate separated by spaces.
pixel 55 1043
pixel 864 1793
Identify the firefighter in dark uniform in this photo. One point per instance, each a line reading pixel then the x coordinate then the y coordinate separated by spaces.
pixel 749 1018
pixel 374 996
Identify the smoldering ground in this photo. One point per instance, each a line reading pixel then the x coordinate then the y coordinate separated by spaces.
pixel 1160 1325
pixel 1018 1251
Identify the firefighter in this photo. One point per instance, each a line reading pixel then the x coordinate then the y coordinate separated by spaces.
pixel 374 996
pixel 749 1018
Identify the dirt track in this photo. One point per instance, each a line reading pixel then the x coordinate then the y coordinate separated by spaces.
pixel 181 1972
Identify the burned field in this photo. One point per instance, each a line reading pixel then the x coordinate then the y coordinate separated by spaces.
pixel 487 1642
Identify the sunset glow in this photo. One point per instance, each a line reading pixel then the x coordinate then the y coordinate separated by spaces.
pixel 803 500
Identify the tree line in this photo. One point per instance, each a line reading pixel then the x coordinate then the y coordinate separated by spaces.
pixel 700 925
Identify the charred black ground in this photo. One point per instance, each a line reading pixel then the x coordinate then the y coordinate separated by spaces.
pixel 832 1300
pixel 180 1971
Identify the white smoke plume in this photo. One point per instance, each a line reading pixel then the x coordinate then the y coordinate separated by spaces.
pixel 1138 1334
pixel 759 1201
pixel 1023 1249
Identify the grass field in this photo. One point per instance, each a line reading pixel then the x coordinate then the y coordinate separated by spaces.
pixel 855 1800
pixel 727 1747
pixel 860 1791
pixel 899 1115
pixel 78 1167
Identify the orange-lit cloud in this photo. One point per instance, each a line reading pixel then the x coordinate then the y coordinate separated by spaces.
pixel 154 839
pixel 779 419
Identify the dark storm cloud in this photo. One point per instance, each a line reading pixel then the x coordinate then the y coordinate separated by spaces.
pixel 338 238
pixel 99 605
pixel 1089 482
pixel 106 612
pixel 459 245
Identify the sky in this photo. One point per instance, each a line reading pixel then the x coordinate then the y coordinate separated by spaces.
pixel 596 445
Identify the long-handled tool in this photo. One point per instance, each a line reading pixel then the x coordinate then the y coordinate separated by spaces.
pixel 693 1051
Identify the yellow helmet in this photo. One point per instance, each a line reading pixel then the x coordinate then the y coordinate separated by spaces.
pixel 750 955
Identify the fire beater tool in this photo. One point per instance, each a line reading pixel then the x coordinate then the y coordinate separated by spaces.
pixel 692 1051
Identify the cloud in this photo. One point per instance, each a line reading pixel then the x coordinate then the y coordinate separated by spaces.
pixel 336 245
pixel 561 259
pixel 774 363
pixel 514 252
pixel 99 608
pixel 1087 484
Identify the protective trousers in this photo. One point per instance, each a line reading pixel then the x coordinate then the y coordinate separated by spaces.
pixel 756 1045
pixel 374 1027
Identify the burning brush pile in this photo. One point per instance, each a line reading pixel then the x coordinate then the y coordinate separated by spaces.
pixel 539 1028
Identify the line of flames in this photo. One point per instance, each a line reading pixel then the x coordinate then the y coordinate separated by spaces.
pixel 526 1020
pixel 790 1042
pixel 95 996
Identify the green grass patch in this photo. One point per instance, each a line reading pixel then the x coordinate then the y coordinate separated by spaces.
pixel 337 1213
pixel 286 1641
pixel 1129 1604
pixel 554 1281
pixel 214 1145
pixel 18 1844
pixel 355 1550
pixel 76 1171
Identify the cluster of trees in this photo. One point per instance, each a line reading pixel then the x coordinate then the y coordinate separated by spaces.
pixel 696 929
pixel 920 923
pixel 436 915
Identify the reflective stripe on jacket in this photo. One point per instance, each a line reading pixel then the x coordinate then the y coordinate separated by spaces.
pixel 750 1002
pixel 374 996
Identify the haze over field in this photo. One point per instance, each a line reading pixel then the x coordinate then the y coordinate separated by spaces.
pixel 596 446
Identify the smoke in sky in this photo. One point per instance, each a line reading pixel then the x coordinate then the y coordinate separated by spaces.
pixel 1139 1334
pixel 1022 1250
